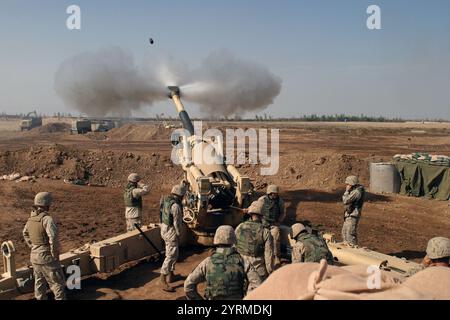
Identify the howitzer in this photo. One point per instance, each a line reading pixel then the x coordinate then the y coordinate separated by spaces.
pixel 214 190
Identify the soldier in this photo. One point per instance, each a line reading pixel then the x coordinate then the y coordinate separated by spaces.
pixel 309 247
pixel 273 213
pixel 223 272
pixel 171 215
pixel 438 255
pixel 353 200
pixel 133 201
pixel 255 245
pixel 41 235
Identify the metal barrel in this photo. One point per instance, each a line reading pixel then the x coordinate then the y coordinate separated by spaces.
pixel 186 121
pixel 384 178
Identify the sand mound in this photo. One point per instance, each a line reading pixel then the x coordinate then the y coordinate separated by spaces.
pixel 53 127
pixel 140 132
pixel 109 168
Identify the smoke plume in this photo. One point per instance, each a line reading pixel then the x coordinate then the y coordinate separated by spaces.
pixel 108 82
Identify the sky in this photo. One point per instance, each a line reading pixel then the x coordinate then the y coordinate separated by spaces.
pixel 327 58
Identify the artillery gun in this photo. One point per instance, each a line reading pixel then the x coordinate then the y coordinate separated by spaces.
pixel 215 192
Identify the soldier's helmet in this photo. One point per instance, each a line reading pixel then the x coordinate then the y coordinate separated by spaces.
pixel 272 189
pixel 43 199
pixel 352 180
pixel 438 248
pixel 225 236
pixel 296 229
pixel 178 190
pixel 255 208
pixel 134 177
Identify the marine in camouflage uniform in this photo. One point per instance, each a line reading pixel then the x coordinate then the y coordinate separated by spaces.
pixel 309 247
pixel 41 235
pixel 438 254
pixel 353 200
pixel 133 201
pixel 255 245
pixel 273 212
pixel 171 215
pixel 223 271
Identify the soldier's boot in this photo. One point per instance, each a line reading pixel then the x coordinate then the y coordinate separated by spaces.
pixel 164 285
pixel 171 277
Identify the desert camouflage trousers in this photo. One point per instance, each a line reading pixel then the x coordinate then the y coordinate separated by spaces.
pixel 255 269
pixel 52 275
pixel 171 240
pixel 276 235
pixel 132 221
pixel 349 233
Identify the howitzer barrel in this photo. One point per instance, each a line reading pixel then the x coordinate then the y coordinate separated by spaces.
pixel 174 94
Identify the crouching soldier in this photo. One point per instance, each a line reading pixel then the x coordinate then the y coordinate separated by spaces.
pixel 171 215
pixel 438 255
pixel 273 212
pixel 223 272
pixel 133 201
pixel 41 235
pixel 255 245
pixel 353 200
pixel 308 247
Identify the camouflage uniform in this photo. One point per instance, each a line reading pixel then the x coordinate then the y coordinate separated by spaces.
pixel 255 245
pixel 133 204
pixel 171 220
pixel 41 235
pixel 310 248
pixel 273 214
pixel 224 273
pixel 353 200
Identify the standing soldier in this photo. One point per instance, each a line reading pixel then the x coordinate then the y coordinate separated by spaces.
pixel 133 201
pixel 353 200
pixel 41 235
pixel 223 272
pixel 273 212
pixel 171 215
pixel 255 245
pixel 308 247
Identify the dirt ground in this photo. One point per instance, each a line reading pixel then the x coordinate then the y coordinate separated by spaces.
pixel 315 158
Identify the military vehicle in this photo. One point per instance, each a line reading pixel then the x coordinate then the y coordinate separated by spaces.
pixel 30 121
pixel 81 126
pixel 102 126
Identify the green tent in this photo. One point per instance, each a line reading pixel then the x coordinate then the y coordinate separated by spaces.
pixel 420 179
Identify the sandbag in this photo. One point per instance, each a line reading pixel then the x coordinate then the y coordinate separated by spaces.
pixel 314 281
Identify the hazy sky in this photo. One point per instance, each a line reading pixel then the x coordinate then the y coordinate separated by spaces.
pixel 322 50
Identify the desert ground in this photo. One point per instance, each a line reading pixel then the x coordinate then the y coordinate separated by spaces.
pixel 315 158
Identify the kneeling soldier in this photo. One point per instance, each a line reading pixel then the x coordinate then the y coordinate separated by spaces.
pixel 308 247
